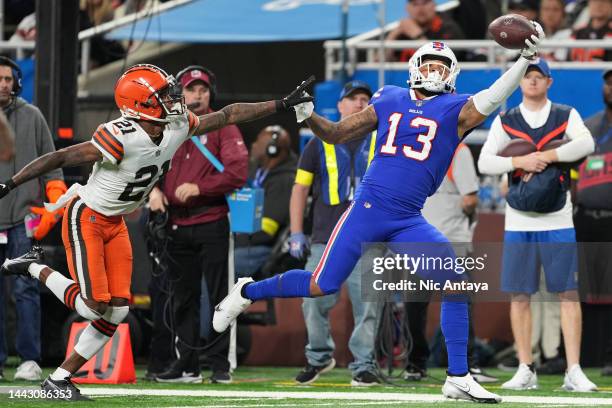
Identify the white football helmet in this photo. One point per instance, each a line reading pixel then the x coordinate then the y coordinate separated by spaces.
pixel 432 80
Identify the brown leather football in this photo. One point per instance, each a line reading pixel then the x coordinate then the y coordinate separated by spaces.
pixel 511 30
pixel 517 147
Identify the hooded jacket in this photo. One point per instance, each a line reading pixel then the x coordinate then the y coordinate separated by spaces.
pixel 32 140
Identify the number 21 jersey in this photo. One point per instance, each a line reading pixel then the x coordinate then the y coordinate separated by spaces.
pixel 415 143
pixel 132 163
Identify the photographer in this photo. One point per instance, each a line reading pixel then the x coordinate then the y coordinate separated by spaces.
pixel 193 192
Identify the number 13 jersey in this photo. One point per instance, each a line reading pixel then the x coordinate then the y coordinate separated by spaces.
pixel 132 163
pixel 415 143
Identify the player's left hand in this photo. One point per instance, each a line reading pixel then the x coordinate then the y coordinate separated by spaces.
pixel 531 45
pixel 187 190
pixel 303 111
pixel 47 221
pixel 297 96
pixel 5 187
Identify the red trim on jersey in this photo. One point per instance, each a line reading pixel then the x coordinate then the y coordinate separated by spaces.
pixel 108 136
pixel 104 145
pixel 551 135
pixel 330 243
pixel 517 133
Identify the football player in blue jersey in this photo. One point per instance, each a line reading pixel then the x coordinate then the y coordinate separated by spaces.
pixel 418 131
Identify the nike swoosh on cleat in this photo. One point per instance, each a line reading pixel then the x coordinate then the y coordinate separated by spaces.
pixel 464 388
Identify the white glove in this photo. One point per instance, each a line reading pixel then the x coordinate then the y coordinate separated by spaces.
pixel 303 110
pixel 531 47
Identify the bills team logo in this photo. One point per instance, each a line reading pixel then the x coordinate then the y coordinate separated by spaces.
pixel 438 46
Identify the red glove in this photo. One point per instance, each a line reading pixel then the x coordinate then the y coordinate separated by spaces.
pixel 54 189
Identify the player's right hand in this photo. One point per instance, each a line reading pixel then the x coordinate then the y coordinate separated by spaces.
pixel 297 245
pixel 532 163
pixel 7 186
pixel 157 200
pixel 531 45
pixel 297 96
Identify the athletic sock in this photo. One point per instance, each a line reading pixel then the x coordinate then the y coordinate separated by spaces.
pixel 293 283
pixel 60 374
pixel 454 321
pixel 66 290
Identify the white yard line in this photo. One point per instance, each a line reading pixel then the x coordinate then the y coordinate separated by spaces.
pixel 361 396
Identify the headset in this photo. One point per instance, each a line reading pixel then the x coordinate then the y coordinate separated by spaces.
pixel 211 76
pixel 272 149
pixel 17 74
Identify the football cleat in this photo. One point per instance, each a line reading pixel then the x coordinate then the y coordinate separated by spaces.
pixel 466 388
pixel 62 389
pixel 19 265
pixel 576 380
pixel 523 379
pixel 234 303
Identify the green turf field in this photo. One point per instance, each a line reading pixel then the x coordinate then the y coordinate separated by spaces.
pixel 274 387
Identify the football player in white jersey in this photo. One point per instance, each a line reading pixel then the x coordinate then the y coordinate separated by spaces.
pixel 129 156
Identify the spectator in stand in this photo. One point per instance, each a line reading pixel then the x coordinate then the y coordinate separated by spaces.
pixel 552 19
pixel 526 8
pixel 593 217
pixel 93 13
pixel 26 31
pixel 598 27
pixel 471 16
pixel 422 23
pixel 98 11
pixel 134 6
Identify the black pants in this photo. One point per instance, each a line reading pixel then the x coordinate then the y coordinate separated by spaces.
pixel 162 346
pixel 193 251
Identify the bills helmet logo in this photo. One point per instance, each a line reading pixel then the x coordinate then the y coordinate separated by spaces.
pixel 438 46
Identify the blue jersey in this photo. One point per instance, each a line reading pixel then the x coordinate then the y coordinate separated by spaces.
pixel 415 143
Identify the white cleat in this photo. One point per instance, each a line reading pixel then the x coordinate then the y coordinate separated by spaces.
pixel 523 379
pixel 228 310
pixel 28 371
pixel 466 388
pixel 576 380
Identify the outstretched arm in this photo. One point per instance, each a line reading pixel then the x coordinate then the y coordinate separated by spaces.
pixel 485 102
pixel 351 127
pixel 245 112
pixel 76 155
pixel 233 114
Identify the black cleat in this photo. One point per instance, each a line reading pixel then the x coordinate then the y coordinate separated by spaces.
pixel 19 265
pixel 62 389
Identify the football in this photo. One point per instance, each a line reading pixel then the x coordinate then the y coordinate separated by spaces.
pixel 511 31
pixel 517 147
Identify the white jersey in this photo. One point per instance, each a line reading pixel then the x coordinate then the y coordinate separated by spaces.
pixel 132 163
